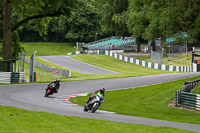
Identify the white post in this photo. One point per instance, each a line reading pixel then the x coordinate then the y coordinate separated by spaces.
pixel 76 46
pixel 32 67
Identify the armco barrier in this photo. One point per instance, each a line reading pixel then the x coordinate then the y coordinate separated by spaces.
pixel 17 77
pixel 77 52
pixel 192 68
pixel 186 99
pixel 50 69
pixel 5 77
pixel 189 100
pixel 88 52
pixel 12 77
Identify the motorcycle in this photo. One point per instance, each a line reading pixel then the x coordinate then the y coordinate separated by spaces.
pixel 50 90
pixel 93 104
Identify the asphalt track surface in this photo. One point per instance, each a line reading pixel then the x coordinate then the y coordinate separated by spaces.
pixel 31 97
pixel 75 65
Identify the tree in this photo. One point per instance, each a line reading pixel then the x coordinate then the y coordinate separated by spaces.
pixel 161 19
pixel 28 11
pixel 83 24
pixel 188 19
pixel 1 18
pixel 1 29
pixel 7 34
pixel 59 27
pixel 137 19
pixel 114 17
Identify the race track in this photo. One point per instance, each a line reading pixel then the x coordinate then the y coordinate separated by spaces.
pixel 31 97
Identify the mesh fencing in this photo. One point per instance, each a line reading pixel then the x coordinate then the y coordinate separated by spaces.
pixel 21 62
pixel 61 72
pixel 45 76
pixel 156 57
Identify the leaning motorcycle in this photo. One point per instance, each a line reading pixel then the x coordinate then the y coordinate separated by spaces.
pixel 50 90
pixel 93 104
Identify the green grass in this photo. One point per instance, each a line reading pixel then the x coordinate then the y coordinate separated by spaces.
pixel 46 49
pixel 125 68
pixel 149 102
pixel 196 90
pixel 182 56
pixel 14 120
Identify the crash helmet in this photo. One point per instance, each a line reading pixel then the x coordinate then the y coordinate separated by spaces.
pixel 102 90
pixel 57 80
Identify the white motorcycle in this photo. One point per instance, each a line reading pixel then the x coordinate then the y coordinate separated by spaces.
pixel 94 103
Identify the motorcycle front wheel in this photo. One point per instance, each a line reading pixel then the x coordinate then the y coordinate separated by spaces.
pixel 94 107
pixel 85 108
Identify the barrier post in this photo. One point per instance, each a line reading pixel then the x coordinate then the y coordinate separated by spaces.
pixel 35 76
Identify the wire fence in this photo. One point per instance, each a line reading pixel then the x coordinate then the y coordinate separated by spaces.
pixel 44 76
pixel 180 62
pixel 156 57
pixel 21 62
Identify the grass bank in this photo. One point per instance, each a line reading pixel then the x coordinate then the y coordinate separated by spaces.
pixel 14 120
pixel 177 59
pixel 119 66
pixel 46 49
pixel 196 90
pixel 149 102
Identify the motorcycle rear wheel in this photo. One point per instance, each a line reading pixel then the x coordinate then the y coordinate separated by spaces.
pixel 48 92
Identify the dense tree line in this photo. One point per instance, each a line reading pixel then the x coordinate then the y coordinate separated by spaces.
pixel 78 20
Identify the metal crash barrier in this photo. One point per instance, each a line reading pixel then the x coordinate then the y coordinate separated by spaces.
pixel 186 99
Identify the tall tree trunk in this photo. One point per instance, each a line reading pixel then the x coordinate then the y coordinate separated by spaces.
pixel 164 45
pixel 153 45
pixel 138 43
pixel 163 40
pixel 7 34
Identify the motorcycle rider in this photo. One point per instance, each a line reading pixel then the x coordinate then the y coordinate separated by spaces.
pixel 57 82
pixel 98 92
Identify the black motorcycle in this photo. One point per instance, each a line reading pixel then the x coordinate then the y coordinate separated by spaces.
pixel 93 104
pixel 50 90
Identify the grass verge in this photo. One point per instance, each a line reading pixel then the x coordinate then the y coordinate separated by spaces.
pixel 196 90
pixel 149 102
pixel 125 68
pixel 179 59
pixel 17 120
pixel 46 49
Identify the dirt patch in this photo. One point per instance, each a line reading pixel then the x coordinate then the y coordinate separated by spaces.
pixel 173 103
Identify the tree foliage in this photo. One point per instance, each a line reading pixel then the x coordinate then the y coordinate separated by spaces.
pixel 143 19
pixel 155 19
pixel 36 11
pixel 114 17
pixel 83 24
